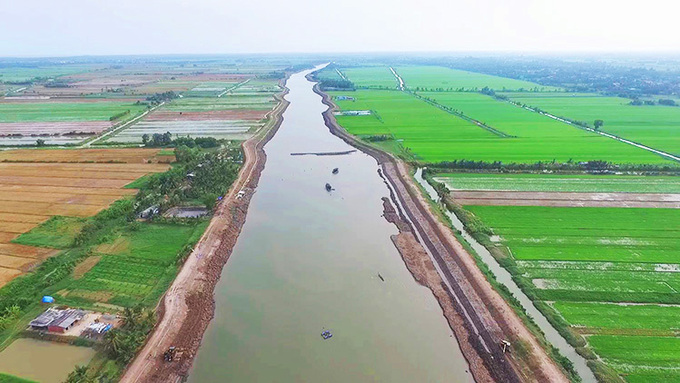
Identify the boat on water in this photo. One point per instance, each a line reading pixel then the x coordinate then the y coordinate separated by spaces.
pixel 326 334
pixel 328 187
pixel 336 170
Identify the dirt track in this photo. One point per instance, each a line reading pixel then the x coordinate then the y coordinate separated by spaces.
pixel 188 306
pixel 478 315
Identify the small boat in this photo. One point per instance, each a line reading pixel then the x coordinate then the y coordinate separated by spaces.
pixel 335 171
pixel 326 334
pixel 329 187
pixel 381 277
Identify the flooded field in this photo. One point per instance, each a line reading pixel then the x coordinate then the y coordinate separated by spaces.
pixel 44 362
pixel 307 261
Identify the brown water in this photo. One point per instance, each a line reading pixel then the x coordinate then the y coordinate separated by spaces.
pixel 45 362
pixel 308 260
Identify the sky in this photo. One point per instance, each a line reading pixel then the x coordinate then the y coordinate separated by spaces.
pixel 102 27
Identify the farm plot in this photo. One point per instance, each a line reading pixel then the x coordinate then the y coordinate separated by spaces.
pixel 611 273
pixel 445 79
pixel 220 129
pixel 64 111
pixel 564 199
pixel 32 191
pixel 434 135
pixel 22 123
pixel 532 130
pixel 137 266
pixel 586 183
pixel 654 125
pixel 123 156
pixel 229 101
pixel 379 77
pixel 209 89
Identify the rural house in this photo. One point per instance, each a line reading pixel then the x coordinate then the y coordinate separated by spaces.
pixel 57 320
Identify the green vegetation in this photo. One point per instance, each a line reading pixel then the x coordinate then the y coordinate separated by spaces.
pixel 609 271
pixel 560 182
pixel 5 378
pixel 652 125
pixel 436 78
pixel 378 77
pixel 24 74
pixel 65 111
pixel 113 261
pixel 136 266
pixel 57 232
pixel 435 135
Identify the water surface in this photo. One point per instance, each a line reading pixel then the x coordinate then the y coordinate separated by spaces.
pixel 308 260
pixel 45 362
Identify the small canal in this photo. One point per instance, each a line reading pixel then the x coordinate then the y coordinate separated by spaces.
pixel 504 277
pixel 308 260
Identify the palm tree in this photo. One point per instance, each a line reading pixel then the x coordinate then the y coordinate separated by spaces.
pixel 113 341
pixel 79 375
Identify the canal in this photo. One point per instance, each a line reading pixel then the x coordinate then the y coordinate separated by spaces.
pixel 308 260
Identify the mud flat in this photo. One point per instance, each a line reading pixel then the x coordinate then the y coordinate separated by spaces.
pixel 478 315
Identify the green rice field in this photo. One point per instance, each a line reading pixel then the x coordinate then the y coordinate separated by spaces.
pixel 560 182
pixel 447 79
pixel 434 135
pixel 65 111
pixel 657 126
pixel 612 273
pixel 20 74
pixel 371 77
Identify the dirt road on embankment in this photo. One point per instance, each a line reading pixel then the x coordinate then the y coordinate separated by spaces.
pixel 188 306
pixel 477 314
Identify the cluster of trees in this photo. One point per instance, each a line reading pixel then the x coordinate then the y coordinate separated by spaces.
pixel 197 175
pixel 119 115
pixel 158 98
pixel 378 138
pixel 121 344
pixel 158 140
pixel 339 84
pixel 661 101
pixel 274 75
pixel 57 84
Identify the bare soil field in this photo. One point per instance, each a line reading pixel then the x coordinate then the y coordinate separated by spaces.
pixel 129 156
pixel 63 190
pixel 565 199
